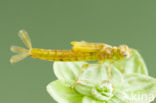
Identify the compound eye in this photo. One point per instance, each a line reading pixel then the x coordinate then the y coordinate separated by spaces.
pixel 126 55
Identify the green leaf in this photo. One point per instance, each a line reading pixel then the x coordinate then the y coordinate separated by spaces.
pixel 84 88
pixel 123 97
pixel 67 70
pixel 135 64
pixel 119 97
pixel 140 88
pixel 96 74
pixel 140 98
pixel 62 93
pixel 87 99
pixel 140 83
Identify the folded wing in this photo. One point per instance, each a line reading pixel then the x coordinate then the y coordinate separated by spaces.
pixel 87 47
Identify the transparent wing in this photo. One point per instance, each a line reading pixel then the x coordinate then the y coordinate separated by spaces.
pixel 86 47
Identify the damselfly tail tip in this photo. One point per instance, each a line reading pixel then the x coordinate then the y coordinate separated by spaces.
pixel 22 52
pixel 18 57
pixel 25 38
pixel 17 49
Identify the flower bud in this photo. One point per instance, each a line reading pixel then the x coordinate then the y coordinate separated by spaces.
pixel 102 91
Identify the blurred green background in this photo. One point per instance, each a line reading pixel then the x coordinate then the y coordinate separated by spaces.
pixel 53 24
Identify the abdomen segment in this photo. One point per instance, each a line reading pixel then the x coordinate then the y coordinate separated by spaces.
pixel 63 55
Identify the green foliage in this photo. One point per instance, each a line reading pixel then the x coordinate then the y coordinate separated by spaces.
pixel 95 86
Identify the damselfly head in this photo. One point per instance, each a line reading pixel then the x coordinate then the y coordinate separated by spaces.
pixel 124 51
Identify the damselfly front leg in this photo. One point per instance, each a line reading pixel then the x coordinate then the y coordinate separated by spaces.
pixel 121 66
pixel 83 67
pixel 109 70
